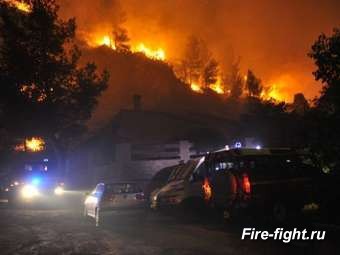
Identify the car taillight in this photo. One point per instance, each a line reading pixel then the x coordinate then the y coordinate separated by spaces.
pixel 246 186
pixel 140 196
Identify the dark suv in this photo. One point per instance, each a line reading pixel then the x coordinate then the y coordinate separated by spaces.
pixel 275 182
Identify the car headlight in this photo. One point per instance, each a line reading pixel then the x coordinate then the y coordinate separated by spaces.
pixel 29 191
pixel 59 191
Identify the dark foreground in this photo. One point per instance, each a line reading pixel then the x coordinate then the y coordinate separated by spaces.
pixel 65 231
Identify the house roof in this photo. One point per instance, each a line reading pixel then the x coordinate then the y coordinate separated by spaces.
pixel 146 126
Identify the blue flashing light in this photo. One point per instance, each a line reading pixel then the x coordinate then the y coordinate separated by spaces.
pixel 45 159
pixel 36 181
pixel 238 145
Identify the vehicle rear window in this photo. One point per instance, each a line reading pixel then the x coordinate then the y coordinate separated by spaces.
pixel 122 188
pixel 175 172
pixel 186 170
pixel 282 166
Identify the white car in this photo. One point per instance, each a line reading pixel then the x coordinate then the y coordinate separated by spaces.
pixel 180 188
pixel 113 196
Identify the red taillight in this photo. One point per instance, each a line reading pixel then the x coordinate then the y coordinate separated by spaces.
pixel 246 187
pixel 140 196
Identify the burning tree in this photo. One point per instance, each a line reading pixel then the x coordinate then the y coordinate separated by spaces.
pixel 121 39
pixel 253 85
pixel 196 57
pixel 234 80
pixel 120 34
pixel 44 90
pixel 210 73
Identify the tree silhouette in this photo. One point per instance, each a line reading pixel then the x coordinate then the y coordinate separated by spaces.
pixel 44 91
pixel 121 39
pixel 234 80
pixel 210 72
pixel 300 104
pixel 326 129
pixel 196 57
pixel 253 85
pixel 326 55
pixel 120 34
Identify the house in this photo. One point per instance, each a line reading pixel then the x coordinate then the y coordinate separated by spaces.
pixel 138 143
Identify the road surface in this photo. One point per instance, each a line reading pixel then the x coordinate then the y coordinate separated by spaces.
pixel 66 231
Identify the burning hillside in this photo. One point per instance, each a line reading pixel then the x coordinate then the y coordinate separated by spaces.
pixel 274 48
pixel 134 73
pixel 158 54
pixel 116 29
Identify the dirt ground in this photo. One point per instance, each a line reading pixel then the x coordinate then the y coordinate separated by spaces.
pixel 66 231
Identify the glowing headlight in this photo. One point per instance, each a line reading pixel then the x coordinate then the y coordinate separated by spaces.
pixel 91 200
pixel 59 191
pixel 29 191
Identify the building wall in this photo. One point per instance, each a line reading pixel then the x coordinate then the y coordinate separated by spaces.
pixel 129 162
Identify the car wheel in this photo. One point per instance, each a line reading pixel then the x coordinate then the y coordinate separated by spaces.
pixel 85 212
pixel 280 212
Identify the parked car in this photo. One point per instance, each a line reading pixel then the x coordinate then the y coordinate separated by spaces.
pixel 180 190
pixel 113 196
pixel 272 182
pixel 156 183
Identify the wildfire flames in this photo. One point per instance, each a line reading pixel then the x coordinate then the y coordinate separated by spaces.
pixel 100 39
pixel 217 87
pixel 107 41
pixel 35 144
pixel 20 5
pixel 195 87
pixel 158 54
pixel 272 93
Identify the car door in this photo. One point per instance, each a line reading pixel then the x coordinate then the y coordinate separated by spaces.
pixel 93 200
pixel 121 195
pixel 130 196
pixel 196 180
